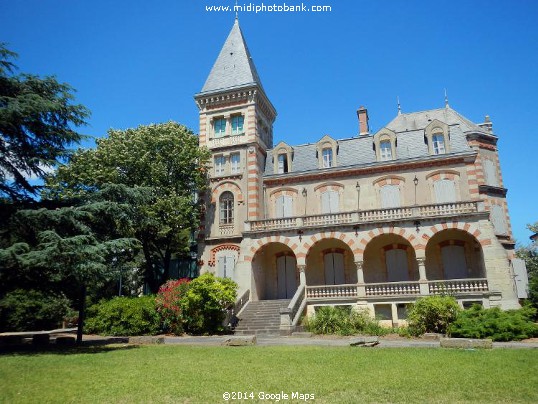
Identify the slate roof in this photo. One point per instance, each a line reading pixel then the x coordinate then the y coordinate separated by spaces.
pixel 409 129
pixel 234 67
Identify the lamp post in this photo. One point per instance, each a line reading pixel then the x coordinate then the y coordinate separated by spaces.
pixel 358 188
pixel 415 181
pixel 305 193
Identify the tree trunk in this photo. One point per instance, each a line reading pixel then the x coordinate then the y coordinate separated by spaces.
pixel 81 313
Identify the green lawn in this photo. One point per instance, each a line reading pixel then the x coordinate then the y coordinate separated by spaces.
pixel 183 374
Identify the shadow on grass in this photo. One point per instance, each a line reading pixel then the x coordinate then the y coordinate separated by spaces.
pixel 87 347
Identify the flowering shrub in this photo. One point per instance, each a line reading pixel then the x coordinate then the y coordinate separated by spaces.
pixel 169 304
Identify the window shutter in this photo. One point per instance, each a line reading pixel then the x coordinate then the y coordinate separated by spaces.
pixel 390 196
pixel 325 203
pixel 490 173
pixel 497 218
pixel 288 207
pixel 445 191
pixel 281 276
pixel 229 266
pixel 221 263
pixel 339 278
pixel 279 207
pixel 397 268
pixel 454 262
pixel 334 201
pixel 521 278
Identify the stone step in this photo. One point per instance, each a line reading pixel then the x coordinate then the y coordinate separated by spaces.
pixel 261 317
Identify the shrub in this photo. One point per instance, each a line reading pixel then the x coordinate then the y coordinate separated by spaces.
pixel 31 310
pixel 124 316
pixel 203 307
pixel 169 304
pixel 432 314
pixel 342 321
pixel 510 325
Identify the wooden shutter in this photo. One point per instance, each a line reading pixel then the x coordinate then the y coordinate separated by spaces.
pixel 497 217
pixel 279 208
pixel 281 276
pixel 288 206
pixel 390 196
pixel 454 262
pixel 490 173
pixel 229 266
pixel 397 268
pixel 521 278
pixel 445 191
pixel 291 280
pixel 329 269
pixel 334 269
pixel 221 263
pixel 334 201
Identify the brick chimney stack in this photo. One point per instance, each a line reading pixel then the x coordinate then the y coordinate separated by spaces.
pixel 362 114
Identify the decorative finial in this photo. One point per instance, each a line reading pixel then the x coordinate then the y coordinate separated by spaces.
pixel 236 13
pixel 446 99
pixel 399 107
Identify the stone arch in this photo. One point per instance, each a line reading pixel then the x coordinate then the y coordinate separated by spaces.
pixel 330 260
pixel 471 228
pixel 313 239
pixel 260 243
pixel 227 186
pixel 366 237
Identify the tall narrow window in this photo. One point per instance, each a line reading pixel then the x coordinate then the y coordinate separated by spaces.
pixel 226 266
pixel 454 262
pixel 386 150
pixel 220 127
pixel 282 163
pixel 438 143
pixel 490 173
pixel 237 124
pixel 226 208
pixel 397 269
pixel 235 161
pixel 220 164
pixel 327 158
pixel 499 222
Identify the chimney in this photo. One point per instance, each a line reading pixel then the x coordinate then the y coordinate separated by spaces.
pixel 488 125
pixel 362 114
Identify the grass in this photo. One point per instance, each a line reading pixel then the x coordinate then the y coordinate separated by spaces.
pixel 183 374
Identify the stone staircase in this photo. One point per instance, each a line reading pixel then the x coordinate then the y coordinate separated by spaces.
pixel 261 317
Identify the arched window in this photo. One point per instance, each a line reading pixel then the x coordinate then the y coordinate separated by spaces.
pixel 445 191
pixel 227 208
pixel 390 196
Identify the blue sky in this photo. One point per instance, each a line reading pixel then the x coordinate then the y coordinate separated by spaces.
pixel 137 62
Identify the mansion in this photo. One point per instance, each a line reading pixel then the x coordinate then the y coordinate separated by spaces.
pixel 374 221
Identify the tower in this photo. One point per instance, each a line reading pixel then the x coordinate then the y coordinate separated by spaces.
pixel 236 125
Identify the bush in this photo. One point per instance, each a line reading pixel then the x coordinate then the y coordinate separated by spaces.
pixel 510 325
pixel 124 316
pixel 432 314
pixel 204 305
pixel 169 304
pixel 342 321
pixel 32 310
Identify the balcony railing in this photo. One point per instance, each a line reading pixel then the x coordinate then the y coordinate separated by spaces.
pixel 397 289
pixel 226 229
pixel 365 216
pixel 226 140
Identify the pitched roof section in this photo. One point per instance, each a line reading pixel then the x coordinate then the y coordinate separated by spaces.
pixel 234 66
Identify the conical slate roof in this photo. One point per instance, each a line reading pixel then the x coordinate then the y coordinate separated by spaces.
pixel 234 66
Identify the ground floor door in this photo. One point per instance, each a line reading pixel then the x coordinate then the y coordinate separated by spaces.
pixel 454 262
pixel 286 276
pixel 397 268
pixel 334 269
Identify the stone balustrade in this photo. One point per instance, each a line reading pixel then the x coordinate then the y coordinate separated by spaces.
pixel 392 289
pixel 457 286
pixel 365 216
pixel 331 291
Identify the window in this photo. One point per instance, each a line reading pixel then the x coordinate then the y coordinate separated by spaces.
pixel 235 161
pixel 220 164
pixel 237 124
pixel 445 191
pixel 334 269
pixel 220 127
pixel 226 266
pixel 327 158
pixel 330 202
pixel 282 164
pixel 226 208
pixel 284 206
pixel 386 150
pixel 454 262
pixel 397 269
pixel 390 196
pixel 438 143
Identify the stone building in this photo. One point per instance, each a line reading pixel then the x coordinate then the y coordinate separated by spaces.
pixel 375 220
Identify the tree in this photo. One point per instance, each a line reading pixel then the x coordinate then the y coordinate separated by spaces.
pixel 530 255
pixel 36 119
pixel 165 160
pixel 65 250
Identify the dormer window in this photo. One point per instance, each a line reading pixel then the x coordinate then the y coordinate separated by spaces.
pixel 219 126
pixel 237 125
pixel 327 158
pixel 438 140
pixel 282 163
pixel 385 150
pixel 437 137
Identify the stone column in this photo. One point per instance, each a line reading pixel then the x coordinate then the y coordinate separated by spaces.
pixel 361 288
pixel 423 280
pixel 228 131
pixel 302 275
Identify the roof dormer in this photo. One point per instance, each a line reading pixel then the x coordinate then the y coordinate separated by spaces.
pixel 327 150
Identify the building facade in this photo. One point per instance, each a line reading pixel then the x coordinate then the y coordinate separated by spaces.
pixel 376 220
